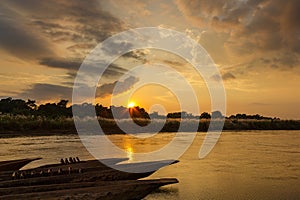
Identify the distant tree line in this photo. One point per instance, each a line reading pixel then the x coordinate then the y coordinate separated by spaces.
pixel 30 108
pixel 204 115
pixel 256 116
pixel 218 115
pixel 18 116
pixel 61 109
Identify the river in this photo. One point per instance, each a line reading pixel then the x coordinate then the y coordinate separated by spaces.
pixel 242 165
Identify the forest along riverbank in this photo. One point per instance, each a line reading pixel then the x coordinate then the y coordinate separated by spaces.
pixel 24 125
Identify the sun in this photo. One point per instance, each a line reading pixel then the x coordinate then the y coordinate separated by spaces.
pixel 131 104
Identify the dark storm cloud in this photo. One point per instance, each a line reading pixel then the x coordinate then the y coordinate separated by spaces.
pixel 47 25
pixel 286 59
pixel 228 76
pixel 70 64
pixel 123 86
pixel 218 12
pixel 282 60
pixel 113 70
pixel 250 13
pixel 15 39
pixel 265 60
pixel 225 77
pixel 173 63
pixel 137 54
pixel 87 21
pixel 43 91
pixel 255 26
pixel 81 23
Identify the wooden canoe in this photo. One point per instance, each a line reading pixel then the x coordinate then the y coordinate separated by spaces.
pixel 92 172
pixel 107 190
pixel 12 165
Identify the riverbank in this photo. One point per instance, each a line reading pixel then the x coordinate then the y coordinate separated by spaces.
pixel 19 125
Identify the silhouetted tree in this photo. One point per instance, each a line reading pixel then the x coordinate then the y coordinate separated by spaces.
pixel 54 110
pixel 31 104
pixel 216 114
pixel 205 115
pixel 138 112
pixel 63 103
pixel 14 106
pixel 174 115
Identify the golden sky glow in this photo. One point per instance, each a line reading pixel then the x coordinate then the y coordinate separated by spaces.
pixel 255 44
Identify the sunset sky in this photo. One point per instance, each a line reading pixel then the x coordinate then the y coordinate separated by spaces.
pixel 254 43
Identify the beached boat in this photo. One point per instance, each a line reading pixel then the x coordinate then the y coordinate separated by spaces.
pixel 82 171
pixel 35 172
pixel 83 179
pixel 106 190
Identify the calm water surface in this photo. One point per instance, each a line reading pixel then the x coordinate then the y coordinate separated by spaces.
pixel 243 165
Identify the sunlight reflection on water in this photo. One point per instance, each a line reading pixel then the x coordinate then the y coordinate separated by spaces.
pixel 243 165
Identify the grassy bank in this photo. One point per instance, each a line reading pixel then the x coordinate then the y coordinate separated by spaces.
pixel 41 125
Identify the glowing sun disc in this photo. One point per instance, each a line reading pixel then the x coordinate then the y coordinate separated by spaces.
pixel 131 105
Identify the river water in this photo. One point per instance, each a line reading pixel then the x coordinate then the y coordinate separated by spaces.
pixel 242 165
